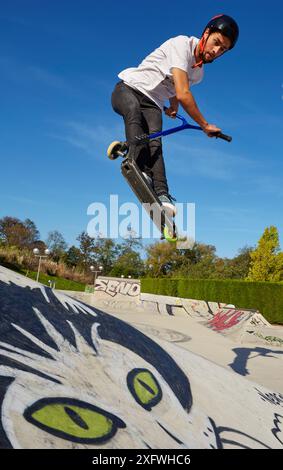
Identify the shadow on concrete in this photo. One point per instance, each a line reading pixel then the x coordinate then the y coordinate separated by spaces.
pixel 243 355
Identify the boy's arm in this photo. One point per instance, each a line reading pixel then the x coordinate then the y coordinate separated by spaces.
pixel 185 97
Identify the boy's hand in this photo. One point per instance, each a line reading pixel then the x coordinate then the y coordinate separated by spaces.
pixel 172 111
pixel 211 130
pixel 173 108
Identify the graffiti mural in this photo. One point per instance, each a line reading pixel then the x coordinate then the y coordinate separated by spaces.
pixel 202 308
pixel 175 306
pixel 226 319
pixel 72 376
pixel 172 308
pixel 113 287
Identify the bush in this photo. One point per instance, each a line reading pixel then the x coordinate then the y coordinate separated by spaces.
pixel 267 297
pixel 61 284
pixel 24 260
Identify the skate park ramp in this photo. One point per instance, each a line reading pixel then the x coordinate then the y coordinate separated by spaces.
pixel 74 376
pixel 239 339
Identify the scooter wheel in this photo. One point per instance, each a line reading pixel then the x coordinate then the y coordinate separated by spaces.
pixel 169 236
pixel 115 150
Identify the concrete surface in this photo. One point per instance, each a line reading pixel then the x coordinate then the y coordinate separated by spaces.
pixel 74 376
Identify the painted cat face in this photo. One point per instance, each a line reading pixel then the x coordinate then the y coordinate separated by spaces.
pixel 74 377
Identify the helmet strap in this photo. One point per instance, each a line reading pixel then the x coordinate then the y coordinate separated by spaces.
pixel 201 46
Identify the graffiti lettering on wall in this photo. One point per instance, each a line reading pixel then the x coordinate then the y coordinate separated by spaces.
pixel 200 309
pixel 203 308
pixel 113 287
pixel 167 309
pixel 176 309
pixel 225 319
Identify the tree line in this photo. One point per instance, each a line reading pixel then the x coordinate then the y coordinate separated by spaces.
pixel 131 258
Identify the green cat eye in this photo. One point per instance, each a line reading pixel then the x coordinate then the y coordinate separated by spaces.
pixel 73 420
pixel 144 388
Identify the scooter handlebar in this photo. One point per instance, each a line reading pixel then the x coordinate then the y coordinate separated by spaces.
pixel 219 135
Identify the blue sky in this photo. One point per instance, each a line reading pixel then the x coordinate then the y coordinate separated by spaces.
pixel 58 65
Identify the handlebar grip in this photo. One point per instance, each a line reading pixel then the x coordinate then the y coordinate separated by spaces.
pixel 228 138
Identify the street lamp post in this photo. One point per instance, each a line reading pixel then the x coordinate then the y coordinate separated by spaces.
pixel 38 255
pixel 95 271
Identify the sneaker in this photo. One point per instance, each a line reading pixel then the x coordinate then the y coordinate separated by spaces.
pixel 168 204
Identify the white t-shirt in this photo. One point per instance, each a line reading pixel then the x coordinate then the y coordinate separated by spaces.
pixel 153 77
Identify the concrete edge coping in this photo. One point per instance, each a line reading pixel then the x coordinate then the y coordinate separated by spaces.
pixel 167 299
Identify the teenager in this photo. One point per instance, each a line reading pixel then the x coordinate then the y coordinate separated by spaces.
pixel 168 73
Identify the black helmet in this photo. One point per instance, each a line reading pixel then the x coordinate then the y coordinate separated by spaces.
pixel 226 26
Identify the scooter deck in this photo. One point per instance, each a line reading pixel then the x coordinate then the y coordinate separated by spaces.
pixel 147 197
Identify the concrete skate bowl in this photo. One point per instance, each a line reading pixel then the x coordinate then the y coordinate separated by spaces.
pixel 72 376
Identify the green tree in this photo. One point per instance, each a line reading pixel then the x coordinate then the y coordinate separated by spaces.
pixel 279 266
pixel 87 246
pixel 105 254
pixel 197 262
pixel 162 259
pixel 14 232
pixel 128 264
pixel 238 267
pixel 128 260
pixel 56 244
pixel 32 232
pixel 131 241
pixel 266 260
pixel 73 257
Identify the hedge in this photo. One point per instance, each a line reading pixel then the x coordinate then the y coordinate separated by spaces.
pixel 267 297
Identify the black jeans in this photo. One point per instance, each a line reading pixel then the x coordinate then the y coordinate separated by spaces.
pixel 142 116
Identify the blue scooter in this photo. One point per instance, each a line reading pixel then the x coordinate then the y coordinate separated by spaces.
pixel 120 149
pixel 140 184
